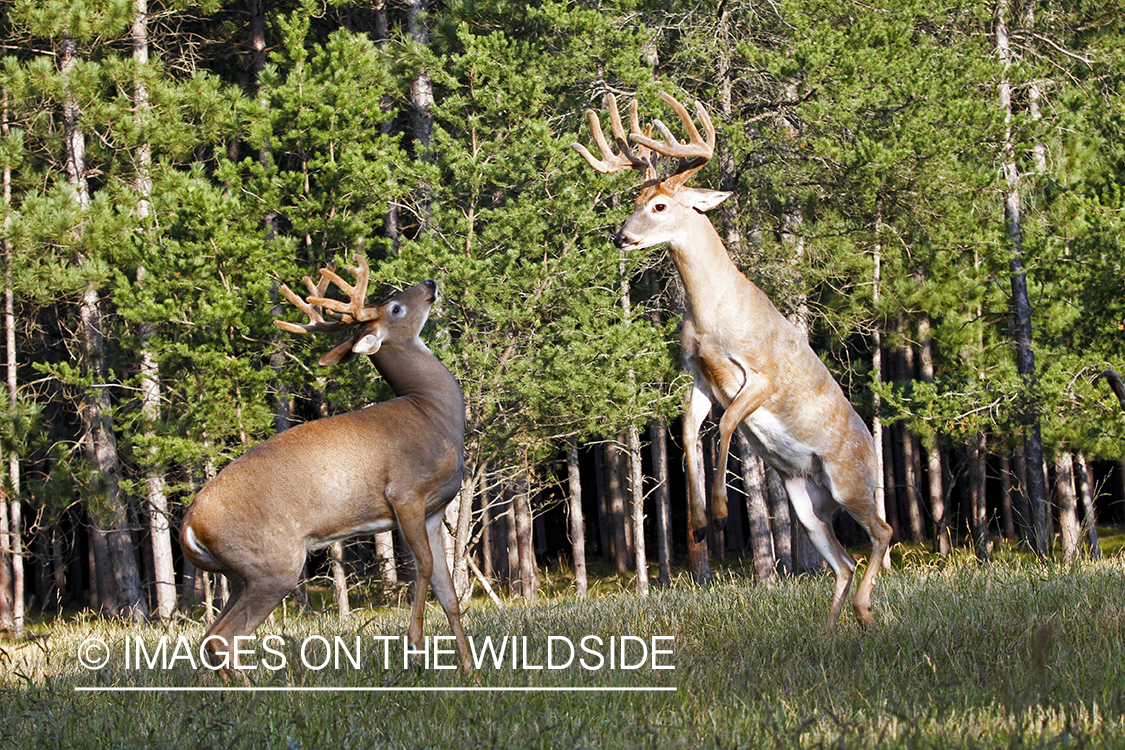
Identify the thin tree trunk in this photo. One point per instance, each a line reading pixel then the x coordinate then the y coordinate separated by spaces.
pixel 577 522
pixel 757 511
pixel 463 529
pixel 1021 304
pixel 450 520
pixel 891 504
pixel 340 580
pixel 877 402
pixel 525 543
pixel 421 96
pixel 1068 504
pixel 103 592
pixel 164 575
pixel 382 36
pixel 605 521
pixel 7 614
pixel 511 546
pixel 636 483
pixel 385 554
pixel 1086 495
pixel 911 467
pixel 979 518
pixel 488 530
pixel 283 407
pixel 658 432
pixel 209 595
pixel 792 235
pixel 96 410
pixel 781 523
pixel 188 586
pixel 933 449
pixel 616 491
pixel 633 454
pixel 728 176
pixel 11 564
pixel 449 541
pixel 224 589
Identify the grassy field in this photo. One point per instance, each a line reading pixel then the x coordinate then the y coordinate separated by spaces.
pixel 1014 654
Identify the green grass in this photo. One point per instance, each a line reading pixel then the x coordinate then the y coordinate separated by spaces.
pixel 1014 654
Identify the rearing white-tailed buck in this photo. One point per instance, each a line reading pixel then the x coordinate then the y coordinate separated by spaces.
pixel 395 463
pixel 745 355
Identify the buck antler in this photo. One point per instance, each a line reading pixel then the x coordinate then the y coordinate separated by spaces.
pixel 343 314
pixel 611 162
pixel 316 319
pixel 698 149
pixel 355 308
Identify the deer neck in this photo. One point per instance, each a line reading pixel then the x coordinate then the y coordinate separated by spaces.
pixel 708 274
pixel 414 373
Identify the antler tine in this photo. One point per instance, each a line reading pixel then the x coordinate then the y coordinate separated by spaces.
pixel 611 162
pixel 643 152
pixel 318 290
pixel 316 323
pixel 698 148
pixel 354 308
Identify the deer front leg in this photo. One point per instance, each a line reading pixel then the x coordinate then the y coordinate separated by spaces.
pixel 751 396
pixel 412 523
pixel 699 405
pixel 806 497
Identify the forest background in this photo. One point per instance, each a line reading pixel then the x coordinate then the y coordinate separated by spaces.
pixel 934 191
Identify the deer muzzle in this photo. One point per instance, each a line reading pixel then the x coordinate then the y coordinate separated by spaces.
pixel 622 240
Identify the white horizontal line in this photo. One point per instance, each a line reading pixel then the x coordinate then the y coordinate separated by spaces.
pixel 284 689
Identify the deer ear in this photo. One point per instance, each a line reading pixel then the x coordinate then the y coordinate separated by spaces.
pixel 368 343
pixel 366 340
pixel 705 200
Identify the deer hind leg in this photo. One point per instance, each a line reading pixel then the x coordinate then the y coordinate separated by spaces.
pixel 853 491
pixel 253 598
pixel 814 507
pixel 444 590
pixel 880 533
pixel 699 406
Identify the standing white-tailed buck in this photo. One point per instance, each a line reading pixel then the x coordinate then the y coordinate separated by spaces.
pixel 745 355
pixel 396 463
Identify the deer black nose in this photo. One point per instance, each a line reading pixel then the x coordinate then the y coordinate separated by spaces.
pixel 619 240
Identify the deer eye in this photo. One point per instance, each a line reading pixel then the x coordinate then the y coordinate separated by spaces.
pixel 397 309
pixel 660 207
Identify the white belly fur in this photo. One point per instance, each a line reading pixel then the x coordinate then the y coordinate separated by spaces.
pixel 773 442
pixel 367 528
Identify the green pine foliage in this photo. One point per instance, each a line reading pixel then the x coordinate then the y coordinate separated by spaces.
pixel 857 128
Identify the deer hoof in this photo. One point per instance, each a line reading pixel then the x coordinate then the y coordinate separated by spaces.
pixel 720 523
pixel 700 534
